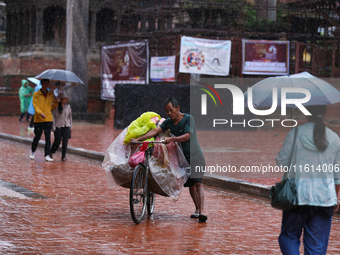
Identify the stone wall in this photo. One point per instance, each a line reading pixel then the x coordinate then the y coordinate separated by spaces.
pixel 10 85
pixel 29 67
pixel 10 104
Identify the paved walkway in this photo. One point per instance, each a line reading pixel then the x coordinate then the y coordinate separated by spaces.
pixel 228 148
pixel 80 215
pixel 229 151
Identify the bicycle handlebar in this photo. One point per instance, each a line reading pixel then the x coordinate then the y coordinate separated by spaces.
pixel 138 142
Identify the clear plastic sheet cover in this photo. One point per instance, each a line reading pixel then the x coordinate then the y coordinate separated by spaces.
pixel 116 162
pixel 168 166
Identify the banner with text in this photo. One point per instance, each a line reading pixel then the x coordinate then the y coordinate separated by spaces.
pixel 162 69
pixel 123 62
pixel 265 57
pixel 204 56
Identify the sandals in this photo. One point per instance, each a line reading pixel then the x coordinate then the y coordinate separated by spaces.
pixel 195 215
pixel 202 218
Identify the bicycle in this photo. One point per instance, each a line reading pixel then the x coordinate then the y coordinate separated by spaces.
pixel 142 195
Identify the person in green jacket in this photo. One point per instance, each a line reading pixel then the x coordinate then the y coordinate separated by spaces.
pixel 25 95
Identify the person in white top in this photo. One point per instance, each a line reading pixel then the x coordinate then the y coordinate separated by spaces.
pixel 315 169
pixel 62 125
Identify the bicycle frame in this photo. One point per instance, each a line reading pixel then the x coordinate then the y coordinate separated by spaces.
pixel 148 154
pixel 147 198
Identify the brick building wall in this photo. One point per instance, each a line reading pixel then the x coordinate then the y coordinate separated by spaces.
pixel 14 70
pixel 10 104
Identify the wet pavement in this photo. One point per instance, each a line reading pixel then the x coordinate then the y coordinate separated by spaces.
pixel 81 215
pixel 220 148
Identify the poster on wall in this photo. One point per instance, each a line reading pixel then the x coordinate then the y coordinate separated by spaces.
pixel 204 56
pixel 123 62
pixel 162 69
pixel 265 57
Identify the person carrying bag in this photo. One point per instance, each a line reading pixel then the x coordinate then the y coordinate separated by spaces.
pixel 314 169
pixel 62 125
pixel 284 194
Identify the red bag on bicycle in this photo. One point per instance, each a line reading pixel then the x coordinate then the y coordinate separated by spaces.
pixel 139 156
pixel 136 158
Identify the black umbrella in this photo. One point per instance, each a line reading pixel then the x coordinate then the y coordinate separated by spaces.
pixel 59 75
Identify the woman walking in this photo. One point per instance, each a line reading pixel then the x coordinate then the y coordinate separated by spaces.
pixel 315 165
pixel 62 124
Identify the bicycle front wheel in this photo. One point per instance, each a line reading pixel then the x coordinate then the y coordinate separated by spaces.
pixel 138 193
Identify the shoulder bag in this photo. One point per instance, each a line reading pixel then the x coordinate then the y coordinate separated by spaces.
pixel 284 194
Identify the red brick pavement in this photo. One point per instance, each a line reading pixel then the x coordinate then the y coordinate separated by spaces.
pixel 222 148
pixel 234 148
pixel 83 216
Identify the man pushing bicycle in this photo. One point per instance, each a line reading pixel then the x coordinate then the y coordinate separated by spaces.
pixel 182 126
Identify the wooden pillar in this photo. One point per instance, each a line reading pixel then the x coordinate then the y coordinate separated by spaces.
pixel 239 61
pixel 313 60
pixel 297 57
pixel 14 27
pixel 39 27
pixel 333 59
pixel 25 27
pixel 32 26
pixel 119 19
pixel 177 53
pixel 19 28
pixel 93 29
pixel 9 30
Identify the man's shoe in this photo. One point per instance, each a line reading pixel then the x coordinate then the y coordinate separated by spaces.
pixel 64 159
pixel 30 128
pixel 32 155
pixel 48 158
pixel 202 218
pixel 21 120
pixel 195 215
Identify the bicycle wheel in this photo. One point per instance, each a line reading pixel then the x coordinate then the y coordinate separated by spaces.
pixel 138 193
pixel 151 202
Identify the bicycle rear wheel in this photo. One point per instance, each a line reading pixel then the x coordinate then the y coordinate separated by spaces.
pixel 151 202
pixel 138 193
